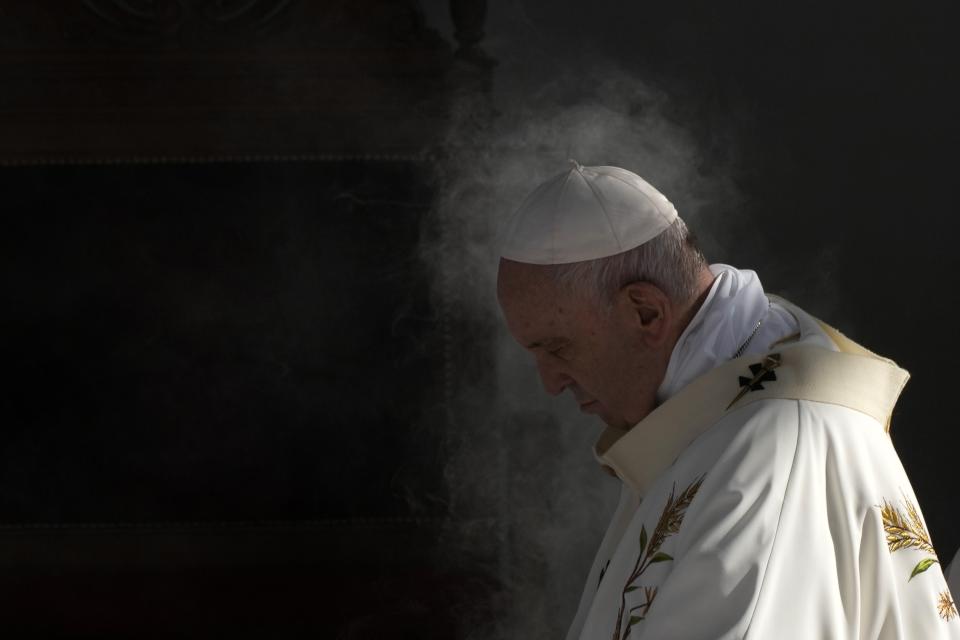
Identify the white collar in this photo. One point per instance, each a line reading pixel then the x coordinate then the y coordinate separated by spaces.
pixel 818 364
pixel 725 321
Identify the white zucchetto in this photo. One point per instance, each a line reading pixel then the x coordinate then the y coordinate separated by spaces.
pixel 586 213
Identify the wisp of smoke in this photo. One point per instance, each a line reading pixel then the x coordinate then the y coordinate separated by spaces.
pixel 524 491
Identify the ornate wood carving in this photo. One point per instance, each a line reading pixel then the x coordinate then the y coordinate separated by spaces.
pixel 129 80
pixel 469 17
pixel 152 21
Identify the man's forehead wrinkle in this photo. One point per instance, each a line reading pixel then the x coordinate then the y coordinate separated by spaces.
pixel 534 297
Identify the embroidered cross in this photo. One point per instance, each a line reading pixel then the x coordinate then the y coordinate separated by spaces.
pixel 761 372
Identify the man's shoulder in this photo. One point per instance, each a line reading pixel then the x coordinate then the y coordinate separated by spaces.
pixel 830 424
pixel 761 433
pixel 792 413
pixel 753 455
pixel 765 433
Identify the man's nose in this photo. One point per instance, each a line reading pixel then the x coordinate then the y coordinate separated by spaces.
pixel 554 380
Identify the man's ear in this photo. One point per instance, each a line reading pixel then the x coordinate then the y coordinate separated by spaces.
pixel 649 310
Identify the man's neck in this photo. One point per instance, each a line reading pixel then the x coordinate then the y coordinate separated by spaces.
pixel 704 284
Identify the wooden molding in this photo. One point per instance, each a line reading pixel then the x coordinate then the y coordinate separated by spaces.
pixel 126 80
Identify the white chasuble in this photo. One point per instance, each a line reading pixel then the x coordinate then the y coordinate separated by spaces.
pixel 764 499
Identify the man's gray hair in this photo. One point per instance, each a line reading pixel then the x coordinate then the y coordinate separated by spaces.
pixel 671 261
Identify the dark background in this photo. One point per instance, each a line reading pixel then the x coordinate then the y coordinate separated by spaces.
pixel 227 368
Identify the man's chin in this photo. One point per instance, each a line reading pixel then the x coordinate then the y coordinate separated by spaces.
pixel 615 423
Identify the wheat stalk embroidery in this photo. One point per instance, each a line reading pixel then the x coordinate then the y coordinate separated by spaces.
pixel 669 524
pixel 905 530
pixel 945 606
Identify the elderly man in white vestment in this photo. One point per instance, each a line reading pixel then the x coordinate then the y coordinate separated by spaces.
pixel 761 494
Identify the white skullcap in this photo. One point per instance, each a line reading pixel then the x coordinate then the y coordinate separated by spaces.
pixel 584 214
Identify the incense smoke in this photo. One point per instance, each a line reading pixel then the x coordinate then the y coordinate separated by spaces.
pixel 526 498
